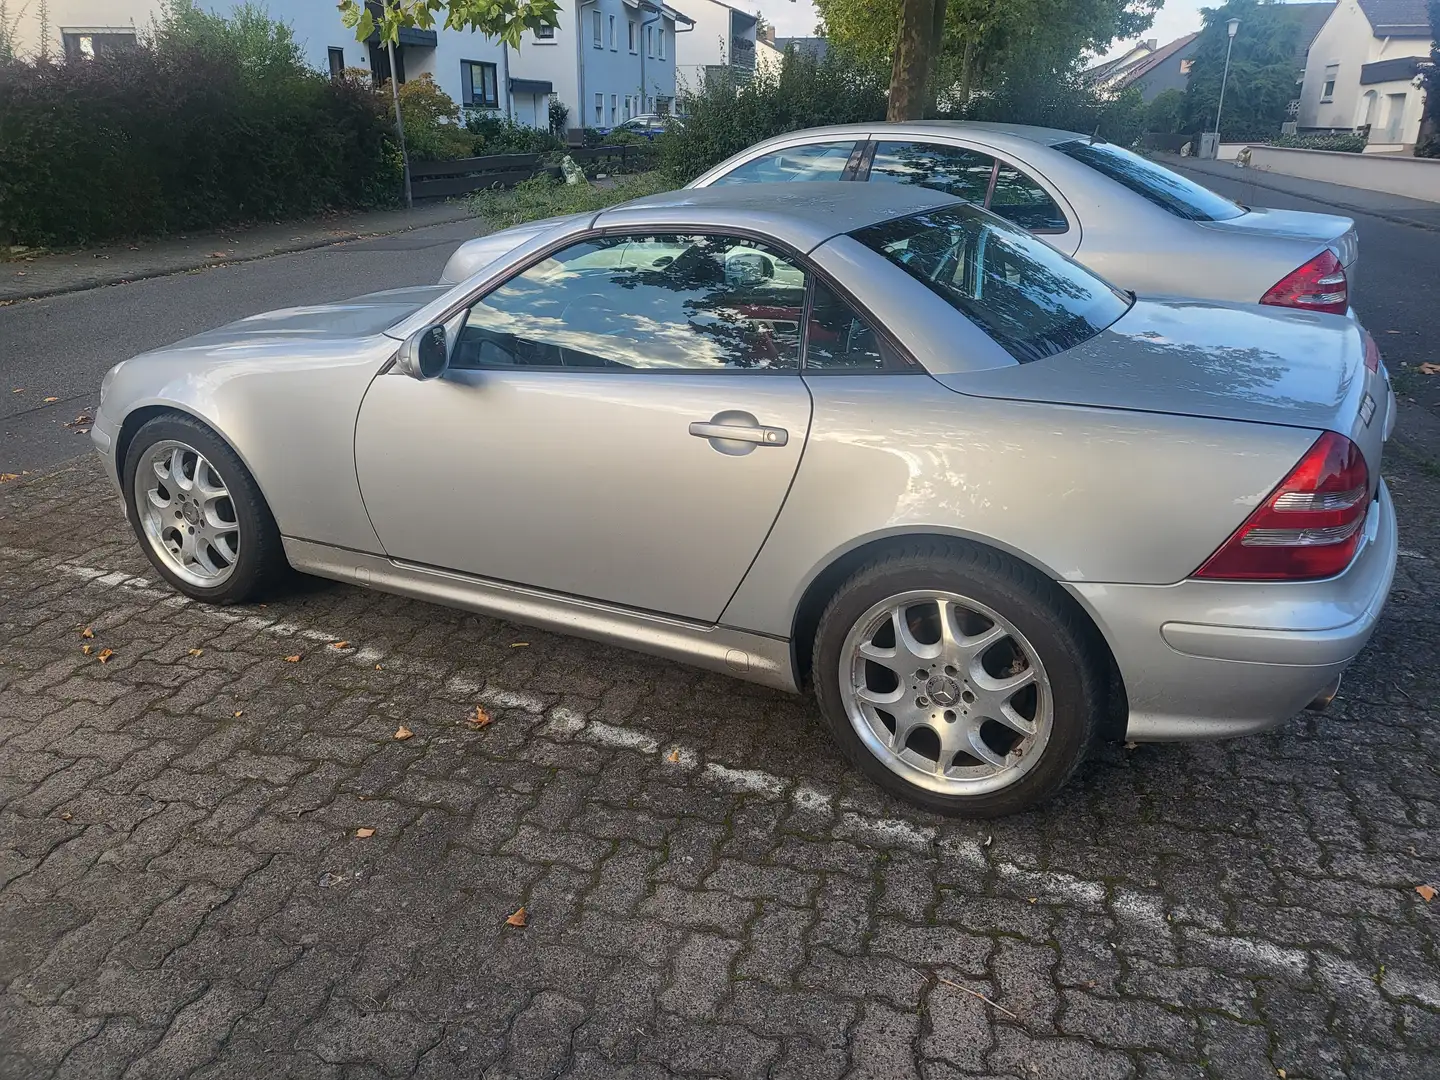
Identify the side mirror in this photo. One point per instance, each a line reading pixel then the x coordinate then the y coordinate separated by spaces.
pixel 425 353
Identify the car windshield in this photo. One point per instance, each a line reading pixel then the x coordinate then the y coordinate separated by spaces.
pixel 1033 301
pixel 1183 198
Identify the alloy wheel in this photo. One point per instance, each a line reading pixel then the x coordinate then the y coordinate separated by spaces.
pixel 187 514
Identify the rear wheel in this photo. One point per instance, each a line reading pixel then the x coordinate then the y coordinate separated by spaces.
pixel 198 512
pixel 958 678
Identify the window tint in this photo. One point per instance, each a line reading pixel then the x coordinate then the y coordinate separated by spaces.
pixel 1025 295
pixel 1020 199
pixel 654 303
pixel 818 161
pixel 961 172
pixel 837 339
pixel 1180 196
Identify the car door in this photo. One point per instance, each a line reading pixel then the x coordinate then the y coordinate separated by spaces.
pixel 977 175
pixel 620 421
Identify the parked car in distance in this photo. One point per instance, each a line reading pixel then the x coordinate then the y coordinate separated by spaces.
pixel 1136 223
pixel 876 441
pixel 647 124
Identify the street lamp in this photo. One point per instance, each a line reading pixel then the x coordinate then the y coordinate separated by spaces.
pixel 1232 26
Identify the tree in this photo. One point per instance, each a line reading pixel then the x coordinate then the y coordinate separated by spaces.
pixel 1265 68
pixel 977 44
pixel 1428 144
pixel 503 19
pixel 1166 112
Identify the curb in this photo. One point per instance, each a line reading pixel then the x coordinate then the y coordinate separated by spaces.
pixel 1246 177
pixel 287 249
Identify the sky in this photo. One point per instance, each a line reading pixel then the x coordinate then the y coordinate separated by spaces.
pixel 796 18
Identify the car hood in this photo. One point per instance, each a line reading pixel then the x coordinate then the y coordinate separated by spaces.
pixel 359 317
pixel 1230 362
pixel 1337 233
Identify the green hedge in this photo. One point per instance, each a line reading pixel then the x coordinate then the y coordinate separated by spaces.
pixel 155 140
pixel 1345 144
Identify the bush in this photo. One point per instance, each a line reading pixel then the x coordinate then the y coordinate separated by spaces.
pixel 722 119
pixel 209 122
pixel 1061 102
pixel 557 113
pixel 494 134
pixel 432 127
pixel 542 197
pixel 1428 147
pixel 1165 115
pixel 1344 144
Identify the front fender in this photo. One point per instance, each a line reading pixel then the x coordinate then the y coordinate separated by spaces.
pixel 287 412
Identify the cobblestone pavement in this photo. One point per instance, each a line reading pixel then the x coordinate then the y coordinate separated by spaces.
pixel 185 890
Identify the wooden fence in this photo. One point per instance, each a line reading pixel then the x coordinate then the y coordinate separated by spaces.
pixel 445 179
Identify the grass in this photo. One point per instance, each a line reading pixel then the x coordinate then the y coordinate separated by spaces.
pixel 543 197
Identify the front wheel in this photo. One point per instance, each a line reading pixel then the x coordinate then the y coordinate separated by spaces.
pixel 958 678
pixel 198 512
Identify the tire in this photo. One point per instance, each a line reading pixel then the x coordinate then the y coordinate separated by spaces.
pixel 258 564
pixel 1047 642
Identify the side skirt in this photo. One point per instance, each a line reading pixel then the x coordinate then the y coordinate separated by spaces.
pixel 738 653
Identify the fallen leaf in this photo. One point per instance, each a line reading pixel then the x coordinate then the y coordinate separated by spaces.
pixel 293 659
pixel 18 390
pixel 364 834
pixel 518 919
pixel 378 668
pixel 1034 899
pixel 196 652
pixel 86 649
pixel 239 712
pixel 50 399
pixel 520 644
pixel 403 732
pixel 105 655
pixel 481 717
pixel 1131 745
pixel 82 431
pixel 83 418
pixel 217 255
pixel 87 632
pixel 66 816
pixel 6 477
pixel 1429 368
pixel 340 644
pixel 1427 892
pixel 674 756
pixel 990 839
pixel 1281 1074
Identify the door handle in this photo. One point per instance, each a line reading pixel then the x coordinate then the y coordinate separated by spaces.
pixel 761 436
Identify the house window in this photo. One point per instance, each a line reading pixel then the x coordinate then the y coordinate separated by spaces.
pixel 627 106
pixel 1185 66
pixel 337 61
pixel 478 84
pixel 87 46
pixel 595 25
pixel 631 25
pixel 612 33
pixel 649 41
pixel 599 109
pixel 1327 90
pixel 545 33
pixel 614 105
pixel 660 42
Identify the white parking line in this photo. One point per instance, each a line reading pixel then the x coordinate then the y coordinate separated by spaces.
pixel 1334 974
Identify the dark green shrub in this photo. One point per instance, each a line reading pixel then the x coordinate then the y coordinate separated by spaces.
pixel 189 130
pixel 721 119
pixel 1166 112
pixel 1344 144
pixel 558 112
pixel 494 134
pixel 1061 102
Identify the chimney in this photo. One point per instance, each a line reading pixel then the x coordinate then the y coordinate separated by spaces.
pixel 770 34
pixel 1151 43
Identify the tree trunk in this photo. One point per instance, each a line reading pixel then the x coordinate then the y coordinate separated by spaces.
pixel 908 75
pixel 937 37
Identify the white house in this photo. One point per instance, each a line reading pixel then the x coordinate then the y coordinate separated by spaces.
pixel 607 60
pixel 721 44
pixel 1363 69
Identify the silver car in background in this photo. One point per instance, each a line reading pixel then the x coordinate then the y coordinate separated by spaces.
pixel 874 441
pixel 1134 222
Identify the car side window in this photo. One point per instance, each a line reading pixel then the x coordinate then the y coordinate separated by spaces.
pixel 815 161
pixel 954 169
pixel 1020 199
pixel 656 303
pixel 837 339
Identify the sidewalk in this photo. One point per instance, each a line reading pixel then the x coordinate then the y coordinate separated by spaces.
pixel 46 275
pixel 1396 208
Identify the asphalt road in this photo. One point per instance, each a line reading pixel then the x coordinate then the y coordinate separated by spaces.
pixel 60 346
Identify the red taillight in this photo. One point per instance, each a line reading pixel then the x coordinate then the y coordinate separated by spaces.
pixel 1372 352
pixel 1308 527
pixel 1319 285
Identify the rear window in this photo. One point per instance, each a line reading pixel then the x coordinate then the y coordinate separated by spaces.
pixel 1033 301
pixel 1164 188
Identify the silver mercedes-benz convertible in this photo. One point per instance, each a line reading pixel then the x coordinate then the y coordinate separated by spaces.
pixel 868 439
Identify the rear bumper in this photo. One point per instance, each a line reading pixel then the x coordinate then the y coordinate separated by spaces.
pixel 1211 659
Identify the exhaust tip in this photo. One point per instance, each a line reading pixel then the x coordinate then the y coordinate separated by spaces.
pixel 1323 699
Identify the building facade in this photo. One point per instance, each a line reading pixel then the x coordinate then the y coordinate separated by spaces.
pixel 721 45
pixel 1363 72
